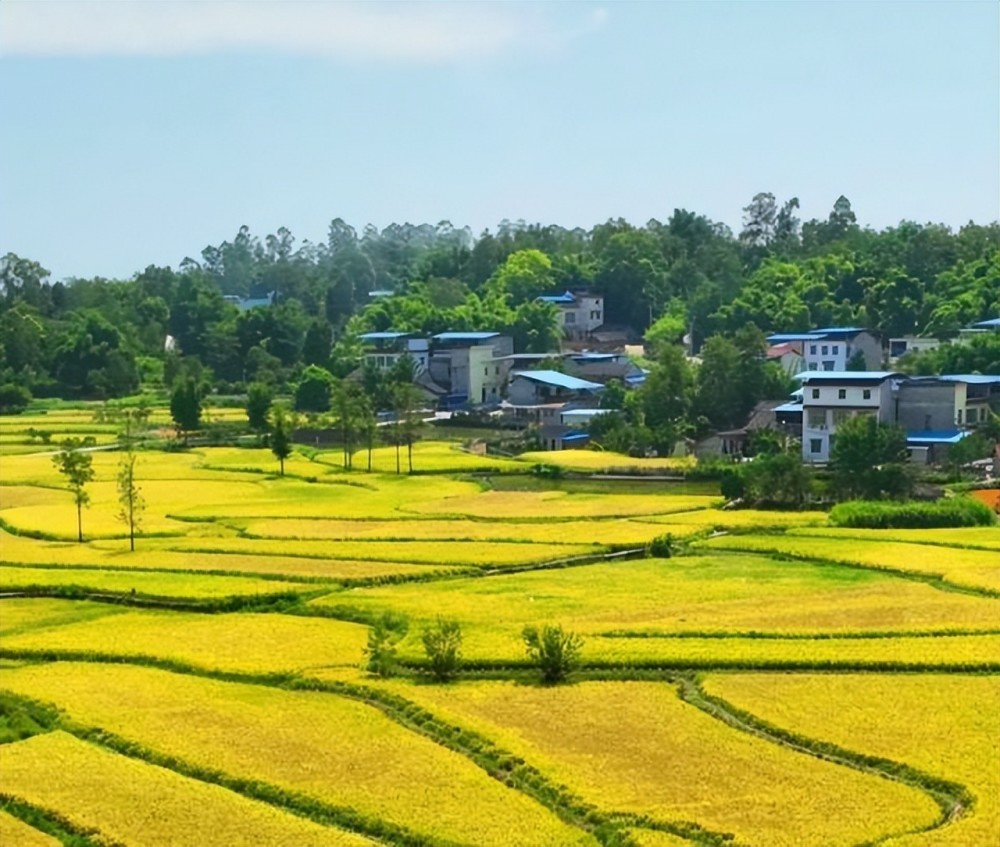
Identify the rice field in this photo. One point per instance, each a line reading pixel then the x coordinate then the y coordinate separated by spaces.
pixel 313 558
pixel 592 461
pixel 946 726
pixel 333 749
pixel 15 831
pixel 109 794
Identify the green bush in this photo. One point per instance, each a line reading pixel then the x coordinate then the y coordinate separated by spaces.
pixel 443 645
pixel 385 633
pixel 879 514
pixel 661 547
pixel 553 650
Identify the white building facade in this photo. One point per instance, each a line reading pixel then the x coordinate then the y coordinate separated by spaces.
pixel 830 398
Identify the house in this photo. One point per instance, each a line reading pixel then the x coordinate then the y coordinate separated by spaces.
pixel 467 364
pixel 530 388
pixel 787 356
pixel 833 348
pixel 580 312
pixel 244 304
pixel 947 402
pixel 831 397
pixel 384 349
pixel 604 367
pixel 899 347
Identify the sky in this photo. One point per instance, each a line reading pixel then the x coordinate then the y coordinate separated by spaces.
pixel 137 133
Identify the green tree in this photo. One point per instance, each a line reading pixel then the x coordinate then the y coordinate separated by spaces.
pixel 280 437
pixel 443 646
pixel 130 499
pixel 523 276
pixel 406 405
pixel 384 634
pixel 555 651
pixel 778 479
pixel 259 400
pixel 312 394
pixel 869 459
pixel 77 467
pixel 185 407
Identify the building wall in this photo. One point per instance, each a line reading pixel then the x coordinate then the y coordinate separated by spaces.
pixel 582 317
pixel 929 405
pixel 833 354
pixel 823 410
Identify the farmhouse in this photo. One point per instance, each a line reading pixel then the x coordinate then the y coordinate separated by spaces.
pixel 580 312
pixel 833 348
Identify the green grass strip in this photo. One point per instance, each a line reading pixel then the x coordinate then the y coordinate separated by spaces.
pixel 52 824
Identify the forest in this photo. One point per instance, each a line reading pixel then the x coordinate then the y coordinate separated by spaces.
pixel 104 338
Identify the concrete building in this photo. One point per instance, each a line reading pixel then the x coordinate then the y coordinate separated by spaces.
pixel 384 349
pixel 531 388
pixel 580 312
pixel 466 363
pixel 899 347
pixel 833 348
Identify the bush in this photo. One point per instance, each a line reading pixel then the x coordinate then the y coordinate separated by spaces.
pixel 661 547
pixel 443 645
pixel 385 633
pixel 877 514
pixel 14 399
pixel 555 651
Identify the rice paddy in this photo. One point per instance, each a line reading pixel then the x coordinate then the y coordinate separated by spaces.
pixel 196 651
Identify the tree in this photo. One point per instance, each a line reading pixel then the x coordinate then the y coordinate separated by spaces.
pixel 77 467
pixel 130 498
pixel 555 651
pixel 185 407
pixel 281 440
pixel 778 479
pixel 384 634
pixel 259 400
pixel 312 394
pixel 443 646
pixel 14 399
pixel 406 400
pixel 869 459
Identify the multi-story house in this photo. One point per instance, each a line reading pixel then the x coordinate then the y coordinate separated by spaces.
pixel 831 397
pixel 467 364
pixel 833 348
pixel 580 312
pixel 384 349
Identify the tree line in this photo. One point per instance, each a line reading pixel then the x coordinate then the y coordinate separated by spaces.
pixel 101 338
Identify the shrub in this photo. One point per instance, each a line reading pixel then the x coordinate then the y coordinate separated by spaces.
pixel 555 651
pixel 877 514
pixel 661 547
pixel 443 645
pixel 14 399
pixel 385 633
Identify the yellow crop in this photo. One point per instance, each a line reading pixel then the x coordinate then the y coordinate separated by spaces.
pixel 337 750
pixel 131 802
pixel 654 838
pixel 970 536
pixel 498 553
pixel 742 518
pixel 238 642
pixel 540 505
pixel 21 614
pixel 692 594
pixel 428 457
pixel 973 568
pixel 606 462
pixel 947 726
pixel 148 582
pixel 618 532
pixel 637 747
pixel 16 833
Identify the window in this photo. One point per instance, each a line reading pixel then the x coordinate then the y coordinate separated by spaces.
pixel 841 393
pixel 840 415
pixel 834 349
pixel 825 350
pixel 959 417
pixel 571 317
pixel 817 419
pixel 812 366
pixel 812 349
pixel 815 394
pixel 867 394
pixel 815 445
pixel 828 365
pixel 971 415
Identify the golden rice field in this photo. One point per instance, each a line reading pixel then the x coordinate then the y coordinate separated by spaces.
pixel 606 462
pixel 314 557
pixel 946 726
pixel 337 750
pixel 636 747
pixel 58 772
pixel 977 569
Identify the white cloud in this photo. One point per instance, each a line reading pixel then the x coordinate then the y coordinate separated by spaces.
pixel 407 32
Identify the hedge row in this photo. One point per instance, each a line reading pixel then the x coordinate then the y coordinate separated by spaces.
pixel 879 514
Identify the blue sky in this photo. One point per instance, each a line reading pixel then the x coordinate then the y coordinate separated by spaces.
pixel 138 133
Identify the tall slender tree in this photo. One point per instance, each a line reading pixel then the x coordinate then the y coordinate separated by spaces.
pixel 77 467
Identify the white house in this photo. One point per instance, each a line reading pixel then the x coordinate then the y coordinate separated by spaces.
pixel 531 388
pixel 384 349
pixel 470 365
pixel 831 397
pixel 581 312
pixel 832 348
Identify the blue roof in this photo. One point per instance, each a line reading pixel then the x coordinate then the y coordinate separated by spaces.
pixel 594 357
pixel 972 379
pixel 778 337
pixel 560 380
pixel 840 330
pixel 788 408
pixel 575 436
pixel 844 376
pixel 988 324
pixel 586 413
pixel 565 297
pixel 382 336
pixel 936 436
pixel 464 336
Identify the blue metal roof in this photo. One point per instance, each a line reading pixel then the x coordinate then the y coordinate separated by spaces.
pixel 788 409
pixel 560 380
pixel 778 337
pixel 382 336
pixel 844 376
pixel 992 323
pixel 565 297
pixel 594 357
pixel 972 379
pixel 936 436
pixel 575 436
pixel 839 330
pixel 586 413
pixel 464 336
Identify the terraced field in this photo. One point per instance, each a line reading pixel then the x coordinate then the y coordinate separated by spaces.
pixel 211 684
